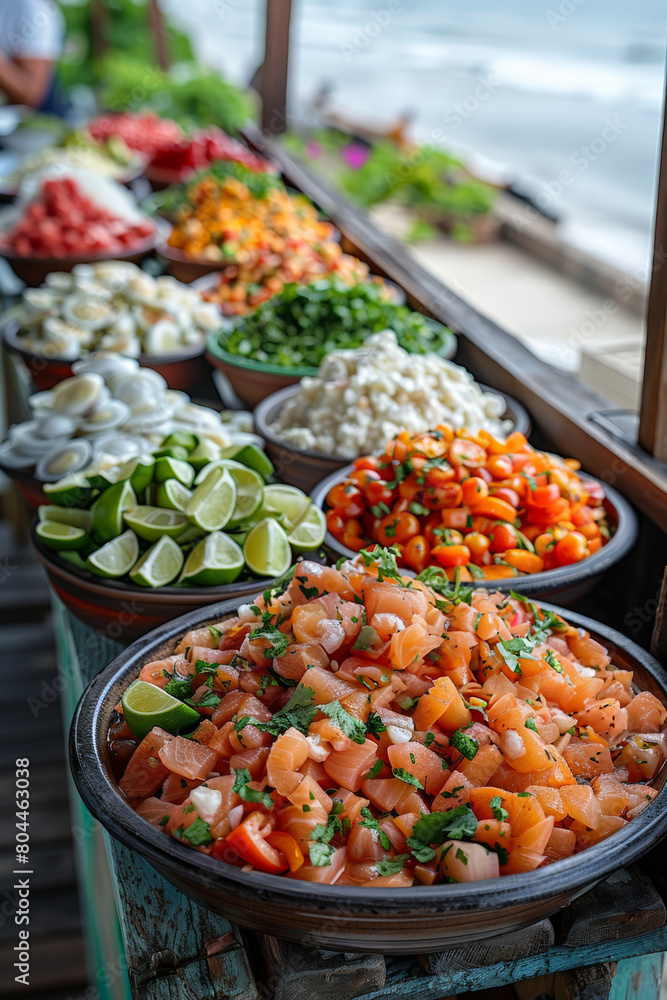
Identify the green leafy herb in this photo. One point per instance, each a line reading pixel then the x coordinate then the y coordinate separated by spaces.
pixel 429 738
pixel 496 807
pixel 418 509
pixel 550 657
pixel 215 632
pixel 502 852
pixel 375 770
pixel 298 713
pixel 437 580
pixel 277 639
pixel 385 559
pixel 403 775
pixel 530 724
pixel 392 866
pixel 367 638
pixel 307 592
pixel 458 824
pixel 208 700
pixel 466 745
pixel 372 824
pixel 375 725
pixel 198 833
pixel 320 854
pixel 461 856
pixel 354 728
pixel 179 687
pixel 242 779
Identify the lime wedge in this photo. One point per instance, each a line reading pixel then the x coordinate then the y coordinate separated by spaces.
pixel 174 451
pixel 56 535
pixel 153 522
pixel 173 468
pixel 103 480
pixel 206 451
pixel 139 471
pixel 249 495
pixel 172 494
pixel 180 439
pixel 213 501
pixel 108 510
pixel 220 463
pixel 252 456
pixel 70 491
pixel 217 559
pixel 160 565
pixel 287 503
pixel 146 705
pixel 66 515
pixel 310 531
pixel 266 549
pixel 117 557
pixel 191 534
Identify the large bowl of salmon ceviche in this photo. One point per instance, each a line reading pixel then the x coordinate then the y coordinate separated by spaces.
pixel 372 754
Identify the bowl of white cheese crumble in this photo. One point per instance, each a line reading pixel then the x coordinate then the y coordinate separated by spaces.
pixel 363 397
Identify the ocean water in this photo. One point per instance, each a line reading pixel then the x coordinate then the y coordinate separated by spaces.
pixel 563 97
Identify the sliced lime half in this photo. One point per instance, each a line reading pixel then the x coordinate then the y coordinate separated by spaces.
pixel 117 557
pixel 213 501
pixel 151 523
pixel 214 561
pixel 66 515
pixel 56 535
pixel 287 503
pixel 266 549
pixel 310 531
pixel 108 509
pixel 160 565
pixel 146 705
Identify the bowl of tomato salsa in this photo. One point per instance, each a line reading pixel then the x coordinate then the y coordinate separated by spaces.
pixel 498 514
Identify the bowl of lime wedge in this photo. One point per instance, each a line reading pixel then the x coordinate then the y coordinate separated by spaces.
pixel 171 535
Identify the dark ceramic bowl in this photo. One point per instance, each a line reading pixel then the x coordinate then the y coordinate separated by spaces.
pixel 568 584
pixel 306 469
pixel 254 381
pixel 421 919
pixel 125 611
pixel 186 370
pixel 33 270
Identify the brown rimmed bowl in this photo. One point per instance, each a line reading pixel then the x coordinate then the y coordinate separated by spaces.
pixel 568 584
pixel 255 381
pixel 186 370
pixel 306 469
pixel 421 919
pixel 125 611
pixel 33 270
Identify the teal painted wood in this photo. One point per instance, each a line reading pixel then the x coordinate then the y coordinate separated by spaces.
pixel 104 946
pixel 505 973
pixel 638 978
pixel 168 938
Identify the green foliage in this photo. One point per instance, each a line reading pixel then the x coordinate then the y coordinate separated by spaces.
pixel 126 75
pixel 430 181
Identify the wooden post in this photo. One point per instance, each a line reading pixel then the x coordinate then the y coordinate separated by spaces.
pixel 273 83
pixel 653 407
pixel 159 37
pixel 98 24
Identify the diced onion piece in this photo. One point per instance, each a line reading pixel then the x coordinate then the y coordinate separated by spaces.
pixel 399 734
pixel 235 816
pixel 511 744
pixel 206 801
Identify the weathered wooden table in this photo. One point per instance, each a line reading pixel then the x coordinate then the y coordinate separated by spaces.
pixel 159 945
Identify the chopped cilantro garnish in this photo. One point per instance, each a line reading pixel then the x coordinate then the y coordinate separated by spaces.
pixel 372 824
pixel 461 856
pixel 298 713
pixel 403 775
pixel 385 560
pixel 307 592
pixel 375 770
pixel 179 687
pixel 354 728
pixel 530 724
pixel 374 724
pixel 466 745
pixel 496 807
pixel 242 779
pixel 391 866
pixel 198 833
pixel 277 639
pixel 215 632
pixel 429 738
pixel 458 824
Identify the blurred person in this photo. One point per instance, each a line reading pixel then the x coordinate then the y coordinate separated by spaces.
pixel 31 41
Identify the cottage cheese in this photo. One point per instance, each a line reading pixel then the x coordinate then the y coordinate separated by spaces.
pixel 363 397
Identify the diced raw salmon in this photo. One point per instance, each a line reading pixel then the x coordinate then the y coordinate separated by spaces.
pixel 348 767
pixel 145 772
pixel 189 759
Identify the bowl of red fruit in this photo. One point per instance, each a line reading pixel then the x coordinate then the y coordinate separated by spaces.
pixel 65 219
pixel 178 162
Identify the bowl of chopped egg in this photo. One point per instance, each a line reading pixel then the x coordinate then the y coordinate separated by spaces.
pixel 362 397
